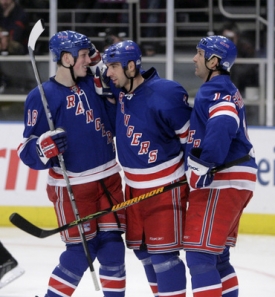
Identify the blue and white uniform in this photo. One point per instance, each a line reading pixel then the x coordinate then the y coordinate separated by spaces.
pixel 218 127
pixel 219 114
pixel 92 168
pixel 151 131
pixel 88 127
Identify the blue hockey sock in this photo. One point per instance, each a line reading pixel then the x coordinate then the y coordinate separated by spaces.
pixel 228 275
pixel 111 252
pixel 170 272
pixel 145 259
pixel 205 278
pixel 67 275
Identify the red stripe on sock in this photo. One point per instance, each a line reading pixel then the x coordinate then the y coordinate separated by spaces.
pixel 61 287
pixel 208 292
pixel 229 282
pixel 154 288
pixel 118 284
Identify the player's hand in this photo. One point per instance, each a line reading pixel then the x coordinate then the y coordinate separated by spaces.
pixel 200 171
pixel 51 144
pixel 99 70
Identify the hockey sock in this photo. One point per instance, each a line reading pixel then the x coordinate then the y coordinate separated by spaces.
pixel 67 275
pixel 170 272
pixel 62 282
pixel 228 275
pixel 145 259
pixel 111 251
pixel 205 278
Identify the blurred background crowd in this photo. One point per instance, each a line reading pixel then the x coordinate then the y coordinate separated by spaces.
pixel 109 21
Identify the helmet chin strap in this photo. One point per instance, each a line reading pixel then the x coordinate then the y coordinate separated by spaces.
pixel 71 69
pixel 72 72
pixel 130 78
pixel 210 70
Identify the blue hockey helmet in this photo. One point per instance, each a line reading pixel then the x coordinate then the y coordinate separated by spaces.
pixel 220 47
pixel 68 41
pixel 123 52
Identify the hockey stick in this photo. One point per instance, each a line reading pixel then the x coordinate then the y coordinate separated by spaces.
pixel 34 35
pixel 28 227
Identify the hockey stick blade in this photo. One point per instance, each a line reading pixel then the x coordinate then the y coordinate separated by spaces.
pixel 20 222
pixel 31 229
pixel 23 224
pixel 36 31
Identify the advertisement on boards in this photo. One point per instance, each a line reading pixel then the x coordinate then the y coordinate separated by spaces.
pixel 20 185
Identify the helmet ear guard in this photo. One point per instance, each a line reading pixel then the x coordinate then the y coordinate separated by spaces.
pixel 222 48
pixel 68 41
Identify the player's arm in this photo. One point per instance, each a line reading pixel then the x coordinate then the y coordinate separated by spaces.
pixel 222 127
pixel 40 147
pixel 177 112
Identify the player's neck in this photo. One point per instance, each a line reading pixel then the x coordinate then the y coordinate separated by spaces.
pixel 64 78
pixel 137 82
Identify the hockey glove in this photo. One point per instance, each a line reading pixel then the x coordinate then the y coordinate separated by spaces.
pixel 200 171
pixel 51 144
pixel 99 70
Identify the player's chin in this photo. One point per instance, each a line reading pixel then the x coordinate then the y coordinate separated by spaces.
pixel 82 73
pixel 115 82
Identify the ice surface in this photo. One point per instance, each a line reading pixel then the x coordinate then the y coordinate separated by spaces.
pixel 253 258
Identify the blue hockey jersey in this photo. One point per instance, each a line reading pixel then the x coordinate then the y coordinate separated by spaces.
pixel 218 126
pixel 151 131
pixel 83 115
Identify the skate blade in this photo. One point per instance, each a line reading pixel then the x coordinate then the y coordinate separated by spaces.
pixel 11 276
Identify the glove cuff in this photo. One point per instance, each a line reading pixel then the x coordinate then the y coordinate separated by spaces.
pixel 39 151
pixel 198 166
pixel 96 61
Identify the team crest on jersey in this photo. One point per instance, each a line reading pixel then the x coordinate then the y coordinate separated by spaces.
pixel 129 96
pixel 76 89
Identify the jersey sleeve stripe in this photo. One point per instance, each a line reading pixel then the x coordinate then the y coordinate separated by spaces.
pixel 224 109
pixel 183 132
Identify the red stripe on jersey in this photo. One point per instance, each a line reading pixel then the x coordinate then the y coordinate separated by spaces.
pixel 184 134
pixel 235 176
pixel 58 176
pixel 223 108
pixel 61 287
pixel 156 175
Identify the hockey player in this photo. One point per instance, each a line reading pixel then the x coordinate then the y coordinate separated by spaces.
pixel 84 137
pixel 9 268
pixel 217 135
pixel 152 124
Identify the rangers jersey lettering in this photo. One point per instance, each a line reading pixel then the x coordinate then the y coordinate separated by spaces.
pixel 151 131
pixel 82 113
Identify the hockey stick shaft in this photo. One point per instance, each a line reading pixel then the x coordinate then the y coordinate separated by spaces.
pixel 28 227
pixel 35 33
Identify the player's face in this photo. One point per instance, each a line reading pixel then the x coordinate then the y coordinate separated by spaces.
pixel 200 69
pixel 82 62
pixel 116 74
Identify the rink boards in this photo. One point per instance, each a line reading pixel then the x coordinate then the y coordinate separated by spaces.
pixel 23 190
